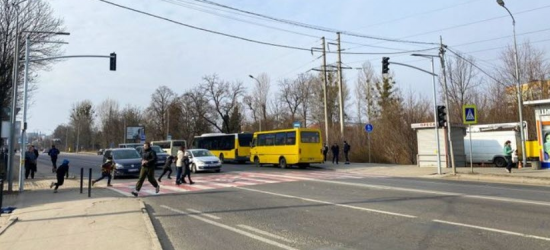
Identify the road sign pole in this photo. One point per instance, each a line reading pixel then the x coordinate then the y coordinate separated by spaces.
pixel 368 138
pixel 471 164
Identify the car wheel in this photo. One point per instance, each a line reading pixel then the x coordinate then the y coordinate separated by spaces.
pixel 282 162
pixel 221 158
pixel 194 168
pixel 257 162
pixel 500 162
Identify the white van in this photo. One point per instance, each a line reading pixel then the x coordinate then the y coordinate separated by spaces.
pixel 488 142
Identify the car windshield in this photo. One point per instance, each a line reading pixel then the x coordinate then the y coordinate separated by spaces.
pixel 125 154
pixel 157 149
pixel 201 153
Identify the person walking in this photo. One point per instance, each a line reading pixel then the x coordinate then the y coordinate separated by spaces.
pixel 148 163
pixel 167 167
pixel 30 163
pixel 179 164
pixel 325 152
pixel 187 169
pixel 335 152
pixel 508 155
pixel 347 148
pixel 53 153
pixel 60 172
pixel 106 169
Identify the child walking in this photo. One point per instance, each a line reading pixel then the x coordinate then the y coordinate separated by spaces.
pixel 106 170
pixel 167 167
pixel 61 171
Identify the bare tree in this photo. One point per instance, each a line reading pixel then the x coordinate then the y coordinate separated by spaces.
pixel 82 119
pixel 109 120
pixel 158 111
pixel 365 93
pixel 291 97
pixel 35 15
pixel 223 98
pixel 462 84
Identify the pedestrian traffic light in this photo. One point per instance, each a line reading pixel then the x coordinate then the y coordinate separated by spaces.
pixel 112 65
pixel 441 117
pixel 385 65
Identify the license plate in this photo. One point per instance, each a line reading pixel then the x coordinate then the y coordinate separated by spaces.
pixel 133 170
pixel 161 161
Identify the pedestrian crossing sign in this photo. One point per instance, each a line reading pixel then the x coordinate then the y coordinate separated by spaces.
pixel 469 114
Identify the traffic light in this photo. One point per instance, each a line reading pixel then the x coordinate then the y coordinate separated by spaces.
pixel 112 62
pixel 385 65
pixel 441 116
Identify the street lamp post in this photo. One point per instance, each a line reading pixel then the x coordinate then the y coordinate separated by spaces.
pixel 260 121
pixel 519 92
pixel 431 57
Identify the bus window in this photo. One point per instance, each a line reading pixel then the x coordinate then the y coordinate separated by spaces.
pixel 269 139
pixel 245 139
pixel 261 140
pixel 253 143
pixel 309 137
pixel 291 138
pixel 280 138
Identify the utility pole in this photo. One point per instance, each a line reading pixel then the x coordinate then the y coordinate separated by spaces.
pixel 325 86
pixel 11 146
pixel 449 123
pixel 340 86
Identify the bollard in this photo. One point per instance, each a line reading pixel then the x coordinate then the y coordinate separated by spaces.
pixel 81 179
pixel 90 184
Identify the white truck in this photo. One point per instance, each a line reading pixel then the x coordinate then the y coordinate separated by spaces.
pixel 488 142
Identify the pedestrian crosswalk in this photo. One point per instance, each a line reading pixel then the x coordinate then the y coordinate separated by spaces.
pixel 235 179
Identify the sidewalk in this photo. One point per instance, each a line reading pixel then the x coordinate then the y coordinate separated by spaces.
pixel 526 175
pixel 70 220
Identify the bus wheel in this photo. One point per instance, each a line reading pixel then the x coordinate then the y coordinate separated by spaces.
pixel 221 158
pixel 282 162
pixel 257 162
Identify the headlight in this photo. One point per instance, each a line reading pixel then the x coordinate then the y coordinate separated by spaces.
pixel 198 162
pixel 118 166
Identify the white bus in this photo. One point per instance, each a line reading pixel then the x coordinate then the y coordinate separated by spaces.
pixel 171 147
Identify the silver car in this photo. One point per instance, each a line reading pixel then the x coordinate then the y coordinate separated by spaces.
pixel 203 160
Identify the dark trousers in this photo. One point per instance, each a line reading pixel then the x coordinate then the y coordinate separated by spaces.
pixel 29 170
pixel 334 158
pixel 60 181
pixel 166 170
pixel 179 171
pixel 186 172
pixel 103 175
pixel 324 156
pixel 509 163
pixel 54 161
pixel 346 155
pixel 149 173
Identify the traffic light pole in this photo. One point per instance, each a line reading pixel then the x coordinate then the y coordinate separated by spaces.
pixel 435 109
pixel 449 122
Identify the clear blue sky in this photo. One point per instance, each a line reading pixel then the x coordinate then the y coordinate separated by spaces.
pixel 153 52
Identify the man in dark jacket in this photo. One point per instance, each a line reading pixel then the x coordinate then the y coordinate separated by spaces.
pixel 53 153
pixel 335 152
pixel 61 170
pixel 148 164
pixel 325 152
pixel 346 151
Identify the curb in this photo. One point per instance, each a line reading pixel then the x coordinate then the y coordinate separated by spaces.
pixel 150 228
pixel 11 221
pixel 525 180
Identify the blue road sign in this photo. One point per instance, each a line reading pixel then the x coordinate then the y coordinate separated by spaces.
pixel 368 128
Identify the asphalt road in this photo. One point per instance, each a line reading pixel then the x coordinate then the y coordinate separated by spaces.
pixel 317 208
pixel 365 213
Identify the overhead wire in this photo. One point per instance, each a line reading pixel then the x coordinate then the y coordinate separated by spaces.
pixel 186 5
pixel 467 24
pixel 314 27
